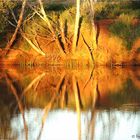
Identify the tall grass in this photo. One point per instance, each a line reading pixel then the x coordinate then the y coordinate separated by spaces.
pixel 65 28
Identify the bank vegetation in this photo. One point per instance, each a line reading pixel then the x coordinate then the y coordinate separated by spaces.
pixel 70 33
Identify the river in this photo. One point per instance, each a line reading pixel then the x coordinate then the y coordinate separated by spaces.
pixel 57 103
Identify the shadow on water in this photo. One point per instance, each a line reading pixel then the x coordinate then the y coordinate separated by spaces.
pixel 58 103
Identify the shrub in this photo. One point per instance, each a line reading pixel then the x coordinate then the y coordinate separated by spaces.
pixel 126 19
pixel 4 12
pixel 124 29
pixel 113 10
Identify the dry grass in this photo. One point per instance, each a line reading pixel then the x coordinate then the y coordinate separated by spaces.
pixel 61 32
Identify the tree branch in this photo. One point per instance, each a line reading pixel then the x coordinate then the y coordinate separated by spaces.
pixel 10 43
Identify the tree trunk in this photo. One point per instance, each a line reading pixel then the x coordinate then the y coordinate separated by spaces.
pixel 77 19
pixel 95 39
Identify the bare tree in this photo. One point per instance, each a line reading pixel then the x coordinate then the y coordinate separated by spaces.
pixel 19 22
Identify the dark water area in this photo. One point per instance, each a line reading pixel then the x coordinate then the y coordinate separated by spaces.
pixel 56 103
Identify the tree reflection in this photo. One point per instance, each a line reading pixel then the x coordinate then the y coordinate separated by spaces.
pixel 14 91
pixel 95 97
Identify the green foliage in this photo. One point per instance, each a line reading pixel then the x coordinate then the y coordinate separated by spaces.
pixel 7 3
pixel 125 30
pixel 137 32
pixel 134 5
pixel 113 10
pixel 3 21
pixel 37 26
pixel 4 12
pixel 104 10
pixel 57 7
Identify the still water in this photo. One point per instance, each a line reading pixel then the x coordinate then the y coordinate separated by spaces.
pixel 56 103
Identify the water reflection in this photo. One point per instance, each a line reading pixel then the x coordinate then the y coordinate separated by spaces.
pixel 62 124
pixel 58 103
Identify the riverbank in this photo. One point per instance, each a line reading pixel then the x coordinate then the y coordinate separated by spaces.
pixel 48 36
pixel 111 49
